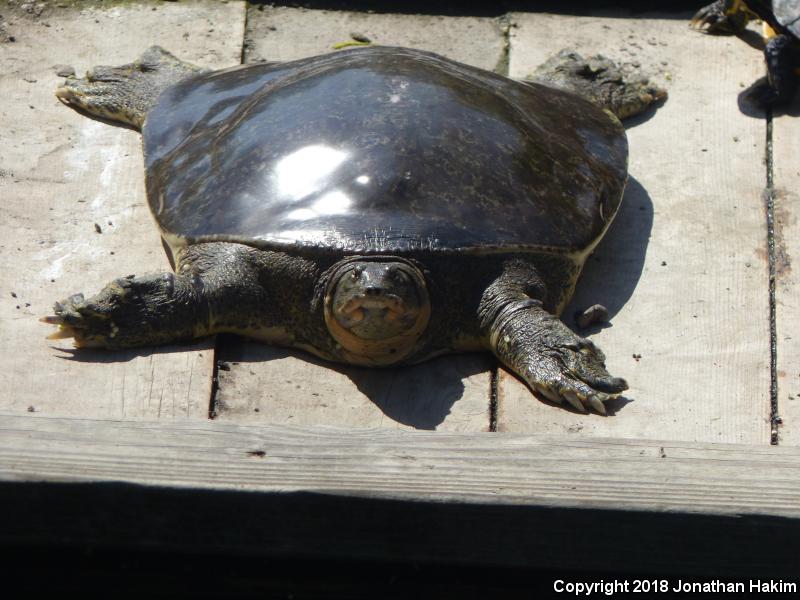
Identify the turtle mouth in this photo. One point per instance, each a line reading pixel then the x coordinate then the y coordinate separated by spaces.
pixel 387 306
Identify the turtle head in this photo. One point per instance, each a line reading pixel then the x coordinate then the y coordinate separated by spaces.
pixel 377 300
pixel 377 309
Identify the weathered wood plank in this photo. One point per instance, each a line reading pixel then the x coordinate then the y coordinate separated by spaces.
pixel 544 501
pixel 785 152
pixel 61 174
pixel 281 33
pixel 683 270
pixel 272 386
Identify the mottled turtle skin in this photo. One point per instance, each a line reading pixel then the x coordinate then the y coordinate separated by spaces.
pixel 781 19
pixel 376 206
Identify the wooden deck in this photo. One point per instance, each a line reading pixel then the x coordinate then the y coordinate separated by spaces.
pixel 284 455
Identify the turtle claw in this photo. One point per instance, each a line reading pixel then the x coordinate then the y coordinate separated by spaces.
pixel 714 20
pixel 555 362
pixel 80 338
pixel 579 401
pixel 549 394
pixel 75 318
pixel 63 332
pixel 65 319
pixel 52 320
pixel 706 18
pixel 573 399
pixel 597 404
pixel 702 22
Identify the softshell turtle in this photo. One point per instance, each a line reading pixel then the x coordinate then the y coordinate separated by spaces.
pixel 375 206
pixel 781 20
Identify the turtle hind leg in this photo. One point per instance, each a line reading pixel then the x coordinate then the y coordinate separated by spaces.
pixel 625 92
pixel 722 17
pixel 124 94
pixel 554 362
pixel 782 57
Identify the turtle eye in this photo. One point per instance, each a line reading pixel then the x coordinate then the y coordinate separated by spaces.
pixel 356 272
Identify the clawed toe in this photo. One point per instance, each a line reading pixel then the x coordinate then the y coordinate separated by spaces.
pixel 547 393
pixel 76 319
pixel 597 404
pixel 603 382
pixel 63 331
pixel 66 317
pixel 573 399
pixel 580 397
pixel 704 22
pixel 712 19
pixel 707 17
pixel 81 93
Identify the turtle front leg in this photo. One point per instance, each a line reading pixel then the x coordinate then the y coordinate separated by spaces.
pixel 539 348
pixel 219 287
pixel 125 94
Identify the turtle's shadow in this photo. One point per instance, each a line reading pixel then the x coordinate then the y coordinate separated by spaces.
pixel 749 106
pixel 123 355
pixel 420 396
pixel 644 116
pixel 747 99
pixel 752 39
pixel 612 272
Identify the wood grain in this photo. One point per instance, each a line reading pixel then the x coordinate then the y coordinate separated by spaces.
pixel 282 33
pixel 62 173
pixel 263 385
pixel 503 499
pixel 683 270
pixel 785 152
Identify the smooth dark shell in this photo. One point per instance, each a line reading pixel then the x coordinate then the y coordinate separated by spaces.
pixel 381 150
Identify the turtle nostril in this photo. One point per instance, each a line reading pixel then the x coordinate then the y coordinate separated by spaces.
pixel 372 290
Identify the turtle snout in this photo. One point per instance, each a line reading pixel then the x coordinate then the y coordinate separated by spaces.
pixel 375 300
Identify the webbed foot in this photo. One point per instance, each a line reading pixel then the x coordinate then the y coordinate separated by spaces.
pixel 623 90
pixel 554 361
pixel 126 313
pixel 125 93
pixel 533 343
pixel 714 19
